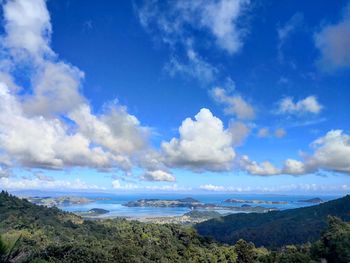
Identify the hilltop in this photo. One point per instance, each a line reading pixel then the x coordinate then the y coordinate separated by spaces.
pixel 276 228
pixel 31 233
pixel 51 235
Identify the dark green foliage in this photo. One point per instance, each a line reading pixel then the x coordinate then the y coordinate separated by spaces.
pixel 335 242
pixel 37 234
pixel 50 235
pixel 245 251
pixel 3 250
pixel 277 228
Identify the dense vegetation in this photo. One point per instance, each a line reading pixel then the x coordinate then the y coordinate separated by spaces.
pixel 276 228
pixel 51 235
pixel 31 233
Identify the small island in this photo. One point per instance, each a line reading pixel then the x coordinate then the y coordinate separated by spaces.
pixel 94 212
pixel 316 200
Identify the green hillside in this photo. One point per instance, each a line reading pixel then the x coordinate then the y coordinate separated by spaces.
pixel 35 234
pixel 277 228
pixel 52 235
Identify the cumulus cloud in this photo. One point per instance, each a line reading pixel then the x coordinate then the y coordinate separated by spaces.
pixel 294 167
pixel 234 105
pixel 281 188
pixel 252 167
pixel 333 42
pixel 28 28
pixel 330 153
pixel 308 105
pixel 115 129
pixel 218 18
pixel 239 132
pixel 50 124
pixel 40 142
pixel 203 144
pixel 158 175
pixel 55 89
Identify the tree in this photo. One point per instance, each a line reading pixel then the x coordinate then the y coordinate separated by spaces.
pixel 3 250
pixel 245 251
pixel 335 242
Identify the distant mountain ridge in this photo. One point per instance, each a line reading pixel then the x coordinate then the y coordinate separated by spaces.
pixel 276 228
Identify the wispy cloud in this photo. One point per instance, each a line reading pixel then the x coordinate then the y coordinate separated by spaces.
pixel 333 42
pixel 234 104
pixel 308 105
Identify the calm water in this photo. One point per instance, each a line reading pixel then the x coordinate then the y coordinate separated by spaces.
pixel 114 203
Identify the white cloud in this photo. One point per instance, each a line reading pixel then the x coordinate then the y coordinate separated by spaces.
pixel 127 186
pixel 28 28
pixel 218 18
pixel 333 41
pixel 115 129
pixel 167 188
pixel 50 124
pixel 252 167
pixel 158 175
pixel 116 184
pixel 203 144
pixel 56 89
pixel 281 188
pixel 239 132
pixel 55 85
pixel 263 133
pixel 10 183
pixel 285 31
pixel 5 172
pixel 331 153
pixel 43 177
pixel 280 133
pixel 40 142
pixel 195 67
pixel 308 105
pixel 235 105
pixel 293 167
pixel 211 187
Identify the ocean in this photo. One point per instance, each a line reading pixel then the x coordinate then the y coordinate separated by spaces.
pixel 114 203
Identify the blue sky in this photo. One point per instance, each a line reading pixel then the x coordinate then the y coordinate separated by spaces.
pixel 212 96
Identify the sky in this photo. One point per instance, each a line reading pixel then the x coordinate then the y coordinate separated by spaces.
pixel 213 96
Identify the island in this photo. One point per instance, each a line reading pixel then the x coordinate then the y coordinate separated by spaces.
pixel 194 204
pixel 94 212
pixel 49 201
pixel 266 202
pixel 316 200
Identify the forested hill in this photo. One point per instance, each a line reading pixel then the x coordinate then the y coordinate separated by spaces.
pixel 35 234
pixel 51 235
pixel 277 228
